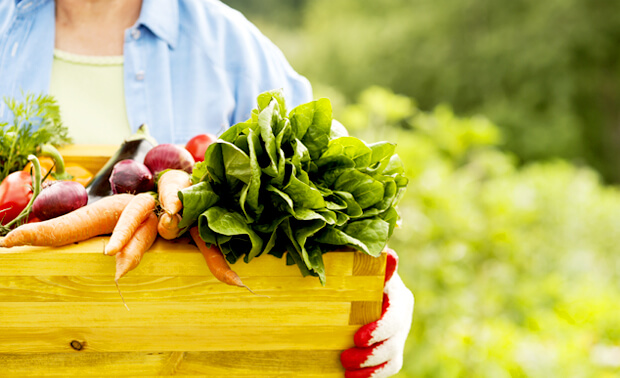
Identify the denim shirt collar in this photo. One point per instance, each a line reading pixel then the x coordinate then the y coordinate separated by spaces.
pixel 25 6
pixel 162 18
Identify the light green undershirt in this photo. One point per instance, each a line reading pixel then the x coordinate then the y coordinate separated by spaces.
pixel 89 91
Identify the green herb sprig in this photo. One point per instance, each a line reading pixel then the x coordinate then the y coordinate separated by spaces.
pixel 35 121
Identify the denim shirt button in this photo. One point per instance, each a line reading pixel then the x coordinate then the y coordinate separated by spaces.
pixel 140 75
pixel 135 33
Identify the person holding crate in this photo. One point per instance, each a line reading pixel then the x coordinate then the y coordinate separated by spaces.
pixel 184 67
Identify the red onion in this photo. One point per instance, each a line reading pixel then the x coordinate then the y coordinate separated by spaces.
pixel 130 176
pixel 58 198
pixel 168 156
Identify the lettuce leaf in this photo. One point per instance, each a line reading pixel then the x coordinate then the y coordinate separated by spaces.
pixel 286 185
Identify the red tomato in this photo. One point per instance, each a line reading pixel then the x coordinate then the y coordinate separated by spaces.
pixel 15 193
pixel 198 145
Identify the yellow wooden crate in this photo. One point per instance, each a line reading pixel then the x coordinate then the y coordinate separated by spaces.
pixel 60 312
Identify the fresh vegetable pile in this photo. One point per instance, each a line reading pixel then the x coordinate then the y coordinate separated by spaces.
pixel 34 126
pixel 134 149
pixel 286 184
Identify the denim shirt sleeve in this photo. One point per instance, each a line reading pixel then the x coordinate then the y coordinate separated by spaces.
pixel 7 9
pixel 231 62
pixel 266 69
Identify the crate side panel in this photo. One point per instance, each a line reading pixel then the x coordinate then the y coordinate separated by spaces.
pixel 189 338
pixel 83 364
pixel 187 289
pixel 307 363
pixel 172 314
pixel 364 312
pixel 319 363
pixel 164 259
pixel 366 265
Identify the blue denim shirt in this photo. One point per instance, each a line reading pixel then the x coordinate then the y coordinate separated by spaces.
pixel 191 66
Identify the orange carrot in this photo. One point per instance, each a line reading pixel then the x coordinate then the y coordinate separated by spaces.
pixel 216 261
pixel 168 226
pixel 129 257
pixel 98 218
pixel 132 217
pixel 168 187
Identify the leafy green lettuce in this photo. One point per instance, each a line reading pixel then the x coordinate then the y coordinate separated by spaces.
pixel 286 185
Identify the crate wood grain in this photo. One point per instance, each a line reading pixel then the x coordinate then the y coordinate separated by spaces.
pixel 60 314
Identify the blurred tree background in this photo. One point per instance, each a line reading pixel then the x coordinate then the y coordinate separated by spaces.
pixel 510 223
pixel 546 72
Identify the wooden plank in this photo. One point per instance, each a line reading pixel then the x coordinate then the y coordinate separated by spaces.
pixel 172 363
pixel 366 265
pixel 187 338
pixel 363 312
pixel 89 156
pixel 307 363
pixel 187 289
pixel 164 259
pixel 82 364
pixel 172 314
pixel 244 364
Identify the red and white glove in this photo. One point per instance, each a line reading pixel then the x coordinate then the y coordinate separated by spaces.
pixel 380 345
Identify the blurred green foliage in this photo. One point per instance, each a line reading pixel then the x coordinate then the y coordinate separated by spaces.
pixel 515 270
pixel 546 72
pixel 512 256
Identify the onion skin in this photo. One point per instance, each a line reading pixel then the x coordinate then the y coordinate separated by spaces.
pixel 58 198
pixel 134 148
pixel 130 176
pixel 168 156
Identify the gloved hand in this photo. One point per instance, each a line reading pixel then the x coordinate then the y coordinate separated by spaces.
pixel 380 345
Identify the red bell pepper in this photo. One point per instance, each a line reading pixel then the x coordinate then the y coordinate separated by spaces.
pixel 15 193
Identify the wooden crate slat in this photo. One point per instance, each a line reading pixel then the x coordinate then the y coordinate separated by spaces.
pixel 244 364
pixel 83 364
pixel 364 312
pixel 188 338
pixel 186 289
pixel 366 265
pixel 171 314
pixel 164 259
pixel 89 156
pixel 270 364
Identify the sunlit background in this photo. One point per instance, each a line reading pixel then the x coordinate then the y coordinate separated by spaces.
pixel 507 117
